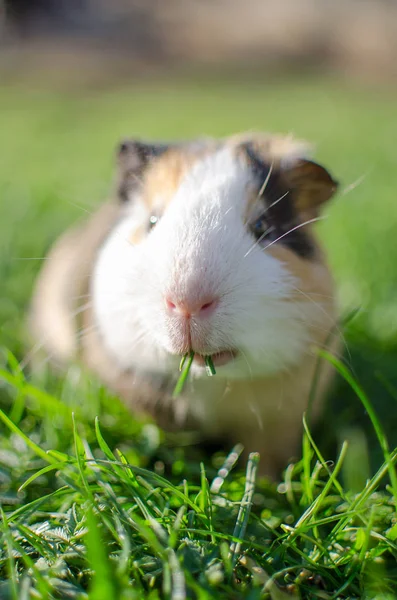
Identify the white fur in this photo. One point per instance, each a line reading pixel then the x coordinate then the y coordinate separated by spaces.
pixel 200 246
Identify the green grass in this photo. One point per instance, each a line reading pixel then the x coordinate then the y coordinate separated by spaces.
pixel 113 508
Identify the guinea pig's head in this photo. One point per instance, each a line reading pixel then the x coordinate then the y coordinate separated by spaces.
pixel 214 253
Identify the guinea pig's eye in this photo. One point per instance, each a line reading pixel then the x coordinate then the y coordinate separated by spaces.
pixel 153 221
pixel 261 228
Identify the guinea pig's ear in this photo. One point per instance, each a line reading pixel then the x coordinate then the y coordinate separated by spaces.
pixel 311 183
pixel 132 158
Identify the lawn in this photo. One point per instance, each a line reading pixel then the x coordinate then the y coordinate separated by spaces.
pixel 114 509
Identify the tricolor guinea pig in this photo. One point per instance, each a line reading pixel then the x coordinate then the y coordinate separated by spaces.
pixel 207 247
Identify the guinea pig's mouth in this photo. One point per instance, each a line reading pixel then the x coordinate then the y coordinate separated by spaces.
pixel 219 358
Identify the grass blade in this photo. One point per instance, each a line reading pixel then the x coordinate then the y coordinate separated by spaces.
pixel 225 469
pixel 209 366
pixel 102 585
pixel 42 471
pixel 32 445
pixel 183 377
pixel 178 585
pixel 340 367
pixel 245 506
pixel 10 559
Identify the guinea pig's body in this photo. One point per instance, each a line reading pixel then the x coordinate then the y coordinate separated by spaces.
pixel 208 248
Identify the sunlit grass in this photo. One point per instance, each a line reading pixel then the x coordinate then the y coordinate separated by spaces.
pixel 86 514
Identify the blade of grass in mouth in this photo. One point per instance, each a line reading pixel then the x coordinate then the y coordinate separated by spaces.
pixel 184 367
pixel 180 384
pixel 209 366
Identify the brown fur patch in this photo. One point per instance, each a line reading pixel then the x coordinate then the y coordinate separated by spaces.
pixel 313 276
pixel 137 235
pixel 164 176
pixel 271 147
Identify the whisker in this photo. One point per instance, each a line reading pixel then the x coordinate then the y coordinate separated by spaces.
pixel 138 180
pixel 261 189
pixel 43 341
pixel 334 323
pixel 248 365
pixel 295 228
pixel 85 331
pixel 353 185
pixel 81 296
pixel 39 365
pixel 258 241
pixel 326 296
pixel 264 185
pixel 227 212
pixel 31 258
pixel 89 212
pixel 276 202
pixel 142 336
pixel 318 328
pixel 29 355
pixel 338 354
pixel 319 306
pixel 255 411
pixel 81 309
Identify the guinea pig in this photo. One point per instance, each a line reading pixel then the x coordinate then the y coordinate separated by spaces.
pixel 207 247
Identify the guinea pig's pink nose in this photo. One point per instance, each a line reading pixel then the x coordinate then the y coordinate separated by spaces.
pixel 189 307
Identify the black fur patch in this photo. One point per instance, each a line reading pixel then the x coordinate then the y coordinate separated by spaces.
pixel 133 157
pixel 279 207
